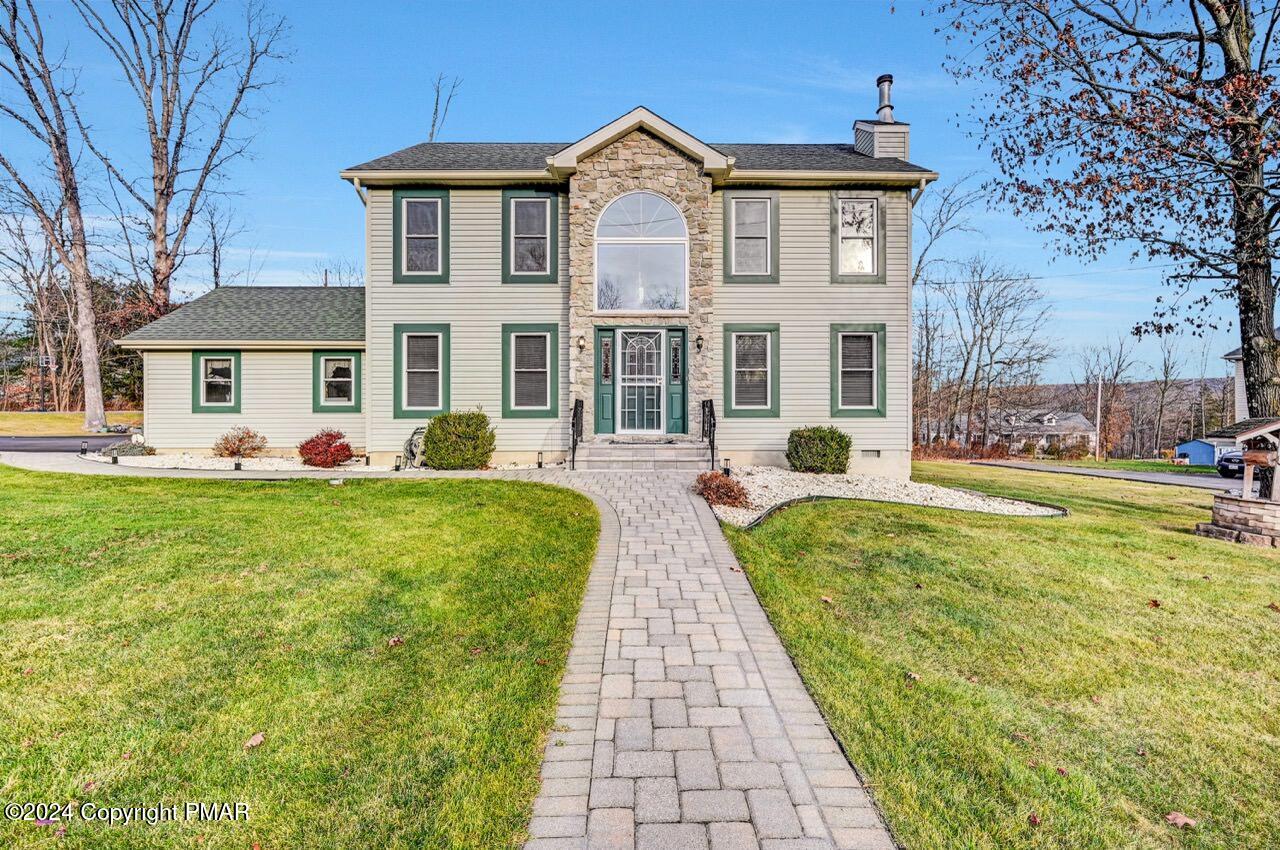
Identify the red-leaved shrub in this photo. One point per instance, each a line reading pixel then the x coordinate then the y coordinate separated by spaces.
pixel 326 449
pixel 719 489
pixel 240 442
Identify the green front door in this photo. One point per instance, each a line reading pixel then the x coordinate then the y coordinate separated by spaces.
pixel 640 380
pixel 676 367
pixel 604 381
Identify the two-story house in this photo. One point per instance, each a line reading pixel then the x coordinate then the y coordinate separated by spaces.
pixel 638 270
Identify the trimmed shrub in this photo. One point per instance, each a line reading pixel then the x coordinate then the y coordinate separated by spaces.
pixel 819 449
pixel 1074 451
pixel 326 449
pixel 719 489
pixel 128 448
pixel 240 442
pixel 461 440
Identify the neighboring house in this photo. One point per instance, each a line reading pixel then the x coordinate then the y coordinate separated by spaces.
pixel 1242 398
pixel 638 270
pixel 1205 451
pixel 1041 426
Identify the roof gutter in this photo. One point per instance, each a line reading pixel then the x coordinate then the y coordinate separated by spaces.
pixel 239 344
pixel 913 179
pixel 456 175
pixel 817 178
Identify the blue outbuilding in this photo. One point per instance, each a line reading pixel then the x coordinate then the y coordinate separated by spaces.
pixel 1202 452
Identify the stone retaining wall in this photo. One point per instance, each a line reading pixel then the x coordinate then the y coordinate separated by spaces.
pixel 1250 521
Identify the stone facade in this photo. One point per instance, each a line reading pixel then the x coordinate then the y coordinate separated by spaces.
pixel 638 161
pixel 1249 521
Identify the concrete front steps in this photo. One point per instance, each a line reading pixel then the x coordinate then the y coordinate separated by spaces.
pixel 622 453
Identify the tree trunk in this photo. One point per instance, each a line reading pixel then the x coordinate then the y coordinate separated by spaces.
pixel 1258 346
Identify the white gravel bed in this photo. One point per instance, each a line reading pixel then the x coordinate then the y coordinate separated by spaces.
pixel 769 486
pixel 191 461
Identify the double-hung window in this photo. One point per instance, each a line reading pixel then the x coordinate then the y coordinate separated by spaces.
pixel 421 365
pixel 215 382
pixel 751 370
pixel 529 223
pixel 530 379
pixel 751 236
pixel 857 238
pixel 421 224
pixel 335 382
pixel 857 370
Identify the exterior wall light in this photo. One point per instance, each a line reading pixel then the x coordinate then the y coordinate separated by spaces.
pixel 698 343
pixel 582 343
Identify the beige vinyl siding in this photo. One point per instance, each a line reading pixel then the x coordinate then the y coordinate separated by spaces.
pixel 805 303
pixel 275 400
pixel 475 303
pixel 1242 399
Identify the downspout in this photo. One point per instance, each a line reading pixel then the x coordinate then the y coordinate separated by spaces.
pixel 915 196
pixel 364 197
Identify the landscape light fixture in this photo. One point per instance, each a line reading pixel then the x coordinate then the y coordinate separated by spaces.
pixel 115 458
pixel 397 466
pixel 539 460
pixel 725 467
pixel 236 465
pixel 84 448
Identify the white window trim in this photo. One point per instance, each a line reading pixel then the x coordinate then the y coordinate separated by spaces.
pixel 546 339
pixel 768 234
pixel 768 367
pixel 204 382
pixel 875 235
pixel 641 240
pixel 404 380
pixel 546 236
pixel 405 235
pixel 327 402
pixel 875 371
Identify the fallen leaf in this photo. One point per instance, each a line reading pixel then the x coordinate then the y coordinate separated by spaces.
pixel 1153 603
pixel 541 662
pixel 88 786
pixel 1018 736
pixel 735 569
pixel 395 641
pixel 1206 578
pixel 475 650
pixel 1033 819
pixel 257 846
pixel 827 600
pixel 60 831
pixel 1180 820
pixel 1033 763
pixel 1062 771
pixel 27 743
pixel 1140 751
pixel 1274 607
pixel 973 679
pixel 913 677
pixel 256 740
pixel 127 756
pixel 29 671
pixel 1096 699
pixel 919 586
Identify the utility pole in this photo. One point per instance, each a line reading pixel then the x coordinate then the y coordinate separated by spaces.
pixel 1097 424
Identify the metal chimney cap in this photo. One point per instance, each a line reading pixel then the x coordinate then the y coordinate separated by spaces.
pixel 884 78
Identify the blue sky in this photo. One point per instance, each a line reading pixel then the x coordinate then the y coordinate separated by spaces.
pixel 359 85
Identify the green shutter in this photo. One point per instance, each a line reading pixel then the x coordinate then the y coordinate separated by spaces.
pixel 604 423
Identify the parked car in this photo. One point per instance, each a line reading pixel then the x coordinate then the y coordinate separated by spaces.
pixel 1231 464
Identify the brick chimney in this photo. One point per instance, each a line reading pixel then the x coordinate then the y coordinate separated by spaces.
pixel 884 136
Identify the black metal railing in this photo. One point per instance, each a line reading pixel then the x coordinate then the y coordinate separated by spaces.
pixel 709 427
pixel 575 432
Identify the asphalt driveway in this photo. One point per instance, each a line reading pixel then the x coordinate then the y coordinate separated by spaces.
pixel 58 444
pixel 1175 479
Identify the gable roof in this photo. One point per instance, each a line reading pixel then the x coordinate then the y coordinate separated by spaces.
pixel 261 313
pixel 1247 429
pixel 1239 353
pixel 554 160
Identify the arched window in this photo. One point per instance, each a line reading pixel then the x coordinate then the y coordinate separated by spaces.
pixel 642 256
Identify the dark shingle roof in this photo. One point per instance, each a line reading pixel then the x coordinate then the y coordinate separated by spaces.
pixel 263 313
pixel 532 156
pixel 1243 426
pixel 1235 355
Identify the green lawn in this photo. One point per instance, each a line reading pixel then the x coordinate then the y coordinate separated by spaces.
pixel 32 424
pixel 1138 466
pixel 1038 648
pixel 149 628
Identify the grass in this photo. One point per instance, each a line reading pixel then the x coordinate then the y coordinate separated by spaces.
pixel 1037 648
pixel 33 424
pixel 150 627
pixel 1138 465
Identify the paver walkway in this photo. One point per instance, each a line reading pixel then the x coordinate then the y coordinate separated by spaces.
pixel 682 722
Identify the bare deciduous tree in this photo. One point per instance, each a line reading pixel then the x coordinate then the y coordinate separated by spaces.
pixel 336 271
pixel 445 88
pixel 40 105
pixel 1166 378
pixel 1107 366
pixel 1122 122
pixel 193 82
